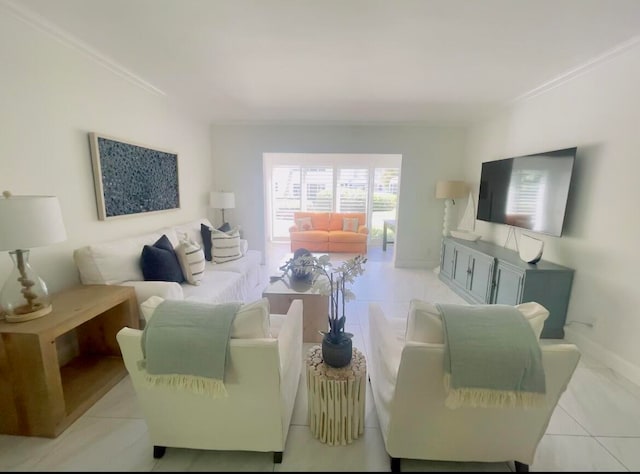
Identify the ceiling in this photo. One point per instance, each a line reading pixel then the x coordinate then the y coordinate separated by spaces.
pixel 342 60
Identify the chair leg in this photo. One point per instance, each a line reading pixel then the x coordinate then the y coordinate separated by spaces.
pixel 520 467
pixel 395 464
pixel 277 457
pixel 158 451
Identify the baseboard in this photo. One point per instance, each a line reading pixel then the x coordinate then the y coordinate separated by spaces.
pixel 596 351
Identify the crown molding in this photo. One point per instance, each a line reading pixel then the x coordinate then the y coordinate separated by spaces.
pixel 38 22
pixel 578 71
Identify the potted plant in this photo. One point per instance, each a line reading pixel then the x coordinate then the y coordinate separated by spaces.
pixel 331 281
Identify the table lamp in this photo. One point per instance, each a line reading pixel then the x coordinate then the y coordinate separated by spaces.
pixel 222 200
pixel 27 221
pixel 449 190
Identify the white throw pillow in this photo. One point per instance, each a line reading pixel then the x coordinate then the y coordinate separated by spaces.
pixel 425 325
pixel 225 246
pixel 350 224
pixel 191 258
pixel 251 321
pixel 304 223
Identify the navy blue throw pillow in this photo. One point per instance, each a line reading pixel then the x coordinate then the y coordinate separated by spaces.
pixel 205 230
pixel 225 227
pixel 159 262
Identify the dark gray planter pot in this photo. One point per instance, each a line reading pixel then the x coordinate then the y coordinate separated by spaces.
pixel 337 354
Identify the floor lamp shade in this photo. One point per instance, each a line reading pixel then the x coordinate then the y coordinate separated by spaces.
pixel 451 189
pixel 26 222
pixel 222 200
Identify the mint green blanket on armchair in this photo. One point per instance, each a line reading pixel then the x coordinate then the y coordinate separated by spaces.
pixel 492 357
pixel 185 345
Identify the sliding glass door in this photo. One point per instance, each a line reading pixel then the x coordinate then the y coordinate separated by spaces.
pixel 328 182
pixel 298 188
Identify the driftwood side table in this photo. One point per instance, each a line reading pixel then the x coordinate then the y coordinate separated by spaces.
pixel 336 398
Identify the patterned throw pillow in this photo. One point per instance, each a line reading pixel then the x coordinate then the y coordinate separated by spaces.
pixel 191 258
pixel 304 223
pixel 225 246
pixel 350 224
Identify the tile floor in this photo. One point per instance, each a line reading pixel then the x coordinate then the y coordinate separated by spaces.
pixel 596 426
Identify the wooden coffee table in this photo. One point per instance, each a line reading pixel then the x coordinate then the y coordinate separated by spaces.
pixel 315 307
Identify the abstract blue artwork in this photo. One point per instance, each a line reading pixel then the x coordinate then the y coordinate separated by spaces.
pixel 131 178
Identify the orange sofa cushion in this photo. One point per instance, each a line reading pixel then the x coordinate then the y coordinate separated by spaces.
pixel 310 236
pixel 347 247
pixel 341 236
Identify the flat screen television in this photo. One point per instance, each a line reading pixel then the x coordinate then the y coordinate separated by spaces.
pixel 527 191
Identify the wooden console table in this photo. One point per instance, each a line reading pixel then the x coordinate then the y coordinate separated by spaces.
pixel 37 396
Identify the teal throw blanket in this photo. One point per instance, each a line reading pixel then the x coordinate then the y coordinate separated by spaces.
pixel 492 357
pixel 185 345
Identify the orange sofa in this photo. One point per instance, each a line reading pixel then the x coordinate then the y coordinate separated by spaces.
pixel 326 232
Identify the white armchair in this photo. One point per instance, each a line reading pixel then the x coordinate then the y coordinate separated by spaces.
pixel 261 380
pixel 408 390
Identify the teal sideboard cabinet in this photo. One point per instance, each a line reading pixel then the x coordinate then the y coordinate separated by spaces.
pixel 485 273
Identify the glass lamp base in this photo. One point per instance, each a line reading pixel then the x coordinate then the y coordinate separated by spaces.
pixel 24 296
pixel 18 317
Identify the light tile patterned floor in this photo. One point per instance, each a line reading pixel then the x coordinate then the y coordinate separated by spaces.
pixel 596 426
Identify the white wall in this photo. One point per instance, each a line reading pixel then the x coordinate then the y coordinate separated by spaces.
pixel 599 112
pixel 428 154
pixel 51 96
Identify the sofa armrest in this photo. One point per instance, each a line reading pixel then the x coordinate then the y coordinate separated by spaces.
pixel 290 336
pixel 383 339
pixel 169 290
pixel 363 229
pixel 244 246
pixel 293 228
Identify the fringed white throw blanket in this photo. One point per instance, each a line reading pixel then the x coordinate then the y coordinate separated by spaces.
pixel 185 346
pixel 492 358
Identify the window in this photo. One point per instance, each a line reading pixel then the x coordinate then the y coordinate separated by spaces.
pixel 385 199
pixel 330 182
pixel 353 190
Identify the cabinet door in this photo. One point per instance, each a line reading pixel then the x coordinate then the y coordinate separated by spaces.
pixel 461 269
pixel 508 285
pixel 447 258
pixel 480 278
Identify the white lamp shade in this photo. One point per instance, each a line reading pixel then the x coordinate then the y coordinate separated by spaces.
pixel 30 221
pixel 222 200
pixel 450 189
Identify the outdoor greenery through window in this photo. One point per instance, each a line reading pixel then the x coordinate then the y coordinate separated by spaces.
pixel 331 183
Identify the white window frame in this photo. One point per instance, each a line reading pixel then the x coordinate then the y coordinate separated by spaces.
pixel 334 160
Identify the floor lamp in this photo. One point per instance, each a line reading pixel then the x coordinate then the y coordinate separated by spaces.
pixel 449 190
pixel 27 221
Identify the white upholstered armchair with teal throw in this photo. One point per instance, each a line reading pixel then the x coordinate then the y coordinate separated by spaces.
pixel 437 400
pixel 250 411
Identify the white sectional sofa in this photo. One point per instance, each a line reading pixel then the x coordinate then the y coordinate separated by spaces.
pixel 117 262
